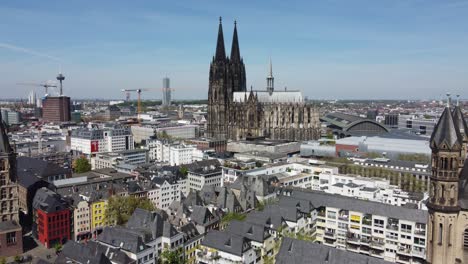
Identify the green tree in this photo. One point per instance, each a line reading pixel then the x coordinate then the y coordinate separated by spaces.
pixel 172 257
pixel 119 208
pixel 81 165
pixel 58 247
pixel 183 170
pixel 3 260
pixel 17 259
pixel 232 216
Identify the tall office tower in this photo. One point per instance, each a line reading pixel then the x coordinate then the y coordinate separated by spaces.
pixel 11 242
pixel 56 109
pixel 32 98
pixel 166 92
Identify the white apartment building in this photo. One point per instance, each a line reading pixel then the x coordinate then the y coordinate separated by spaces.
pixel 166 192
pixel 206 174
pixel 181 154
pixel 388 232
pixel 111 159
pixel 326 178
pixel 99 140
pixel 174 130
pixel 158 150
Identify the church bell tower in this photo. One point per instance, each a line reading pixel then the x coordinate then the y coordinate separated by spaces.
pixel 446 145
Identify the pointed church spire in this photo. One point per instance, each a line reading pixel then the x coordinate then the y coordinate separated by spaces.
pixel 270 80
pixel 271 69
pixel 446 131
pixel 235 52
pixel 220 51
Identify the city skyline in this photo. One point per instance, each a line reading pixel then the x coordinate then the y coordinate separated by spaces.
pixel 331 50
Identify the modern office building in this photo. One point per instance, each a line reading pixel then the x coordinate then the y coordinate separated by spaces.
pixel 97 140
pixel 166 101
pixel 56 109
pixel 418 125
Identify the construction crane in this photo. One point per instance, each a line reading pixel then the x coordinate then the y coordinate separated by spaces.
pixel 138 91
pixel 46 85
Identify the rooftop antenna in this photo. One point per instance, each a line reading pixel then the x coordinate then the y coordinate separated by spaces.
pixel 448 100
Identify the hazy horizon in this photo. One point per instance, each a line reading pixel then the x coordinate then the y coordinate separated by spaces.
pixel 395 50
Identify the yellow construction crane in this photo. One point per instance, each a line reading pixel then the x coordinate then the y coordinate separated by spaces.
pixel 46 85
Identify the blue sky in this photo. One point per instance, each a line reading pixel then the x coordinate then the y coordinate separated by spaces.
pixel 328 49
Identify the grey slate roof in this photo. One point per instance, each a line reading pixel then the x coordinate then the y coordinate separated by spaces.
pixel 91 252
pixel 226 242
pixel 202 216
pixel 252 231
pixel 124 238
pixel 150 223
pixel 298 251
pixel 27 166
pixel 319 199
pixel 446 132
pixel 48 201
pixel 460 120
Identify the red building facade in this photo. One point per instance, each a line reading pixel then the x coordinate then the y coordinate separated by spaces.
pixel 52 218
pixel 53 228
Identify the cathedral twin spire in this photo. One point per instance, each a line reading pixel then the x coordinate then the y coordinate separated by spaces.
pixel 220 50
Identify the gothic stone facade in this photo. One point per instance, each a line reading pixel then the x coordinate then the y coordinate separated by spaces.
pixel 11 242
pixel 448 193
pixel 234 113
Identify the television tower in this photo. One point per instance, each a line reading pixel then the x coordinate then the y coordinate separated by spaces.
pixel 60 78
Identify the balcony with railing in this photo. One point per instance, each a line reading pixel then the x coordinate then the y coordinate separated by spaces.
pixel 404 251
pixel 367 220
pixel 392 224
pixel 343 215
pixel 377 244
pixel 376 253
pixel 330 235
pixel 420 253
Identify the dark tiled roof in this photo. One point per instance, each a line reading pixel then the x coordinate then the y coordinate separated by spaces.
pixel 39 168
pixel 460 120
pixel 226 242
pixel 9 225
pixel 81 253
pixel 248 230
pixel 48 201
pixel 298 251
pixel 124 238
pixel 446 132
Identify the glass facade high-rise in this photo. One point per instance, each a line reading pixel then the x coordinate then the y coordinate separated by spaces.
pixel 166 101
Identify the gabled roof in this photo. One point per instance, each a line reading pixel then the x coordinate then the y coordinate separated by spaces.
pixel 151 223
pixel 252 231
pixel 48 201
pixel 202 216
pixel 226 242
pixel 124 238
pixel 91 252
pixel 299 251
pixel 446 133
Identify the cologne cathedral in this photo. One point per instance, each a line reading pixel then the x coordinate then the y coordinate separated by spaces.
pixel 236 113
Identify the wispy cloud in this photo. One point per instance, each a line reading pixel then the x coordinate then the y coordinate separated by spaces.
pixel 28 51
